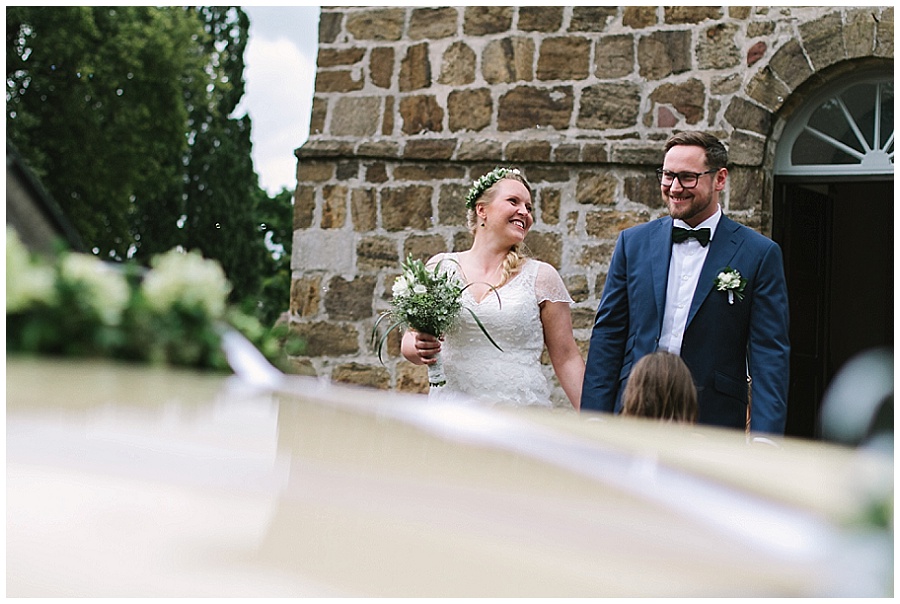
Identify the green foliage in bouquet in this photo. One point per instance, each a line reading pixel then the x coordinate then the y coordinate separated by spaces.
pixel 174 313
pixel 426 300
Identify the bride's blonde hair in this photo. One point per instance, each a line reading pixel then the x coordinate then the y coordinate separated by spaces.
pixel 515 257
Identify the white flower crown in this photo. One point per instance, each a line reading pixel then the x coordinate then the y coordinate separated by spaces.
pixel 486 182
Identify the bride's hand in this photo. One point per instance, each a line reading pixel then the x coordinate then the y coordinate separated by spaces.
pixel 427 348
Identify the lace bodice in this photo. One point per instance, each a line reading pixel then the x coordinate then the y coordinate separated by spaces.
pixel 474 367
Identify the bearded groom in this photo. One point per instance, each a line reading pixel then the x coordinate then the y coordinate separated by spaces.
pixel 702 286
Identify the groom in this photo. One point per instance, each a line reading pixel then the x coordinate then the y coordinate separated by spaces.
pixel 700 285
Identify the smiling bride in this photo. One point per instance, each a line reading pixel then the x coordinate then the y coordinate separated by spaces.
pixel 522 302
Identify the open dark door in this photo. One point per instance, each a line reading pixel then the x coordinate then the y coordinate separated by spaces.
pixel 837 239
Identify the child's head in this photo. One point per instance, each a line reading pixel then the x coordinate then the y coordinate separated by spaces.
pixel 660 386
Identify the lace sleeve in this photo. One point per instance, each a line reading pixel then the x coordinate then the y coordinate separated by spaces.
pixel 549 285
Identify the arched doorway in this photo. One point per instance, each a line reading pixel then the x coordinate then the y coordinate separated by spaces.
pixel 833 217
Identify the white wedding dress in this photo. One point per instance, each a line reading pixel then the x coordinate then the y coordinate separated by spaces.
pixel 474 368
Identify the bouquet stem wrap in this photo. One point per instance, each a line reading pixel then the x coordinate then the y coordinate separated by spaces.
pixel 436 375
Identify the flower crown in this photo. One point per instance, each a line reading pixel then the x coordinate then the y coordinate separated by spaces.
pixel 486 182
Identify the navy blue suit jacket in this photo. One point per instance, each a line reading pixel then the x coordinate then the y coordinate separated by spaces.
pixel 722 341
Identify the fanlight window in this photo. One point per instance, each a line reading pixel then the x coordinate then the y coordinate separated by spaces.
pixel 848 132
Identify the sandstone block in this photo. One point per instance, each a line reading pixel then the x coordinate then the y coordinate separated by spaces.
pixel 745 115
pixel 334 206
pixel 305 295
pixel 592 18
pixel 790 64
pixel 526 107
pixel 564 58
pixel 596 188
pixel 363 210
pixel 406 208
pixel 357 374
pixel 412 378
pixel 583 318
pixel 609 106
pixel 376 173
pixel 746 188
pixel 378 24
pixel 375 253
pixel 545 246
pixel 381 66
pixel 415 68
pixel 304 207
pixel 664 53
pixel 479 150
pixel 324 338
pixel 644 190
pixel 823 40
pixel 355 116
pixel 545 19
pixel 687 98
pixel 746 149
pixel 429 148
pixel 406 172
pixel 469 109
pixel 323 250
pixel 433 23
pixel 329 26
pixel 423 247
pixel 421 113
pixel 639 17
pixel 338 80
pixel 458 65
pixel 549 201
pixel 350 300
pixel 607 224
pixel 527 151
pixel 859 33
pixel 452 204
pixel 577 285
pixel 508 60
pixel 717 49
pixel 614 57
pixel 484 20
pixel 680 15
pixel 329 57
pixel 379 148
pixel 318 115
pixel 767 89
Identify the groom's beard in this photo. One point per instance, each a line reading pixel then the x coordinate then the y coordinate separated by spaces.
pixel 689 204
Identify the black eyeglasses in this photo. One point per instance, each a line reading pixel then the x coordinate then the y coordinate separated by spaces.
pixel 688 180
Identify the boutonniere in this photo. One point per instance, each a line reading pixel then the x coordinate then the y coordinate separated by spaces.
pixel 729 280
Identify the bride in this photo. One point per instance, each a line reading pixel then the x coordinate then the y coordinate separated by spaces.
pixel 522 303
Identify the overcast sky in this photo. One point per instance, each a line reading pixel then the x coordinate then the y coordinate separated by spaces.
pixel 280 70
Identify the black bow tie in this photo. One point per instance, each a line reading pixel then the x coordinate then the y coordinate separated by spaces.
pixel 680 235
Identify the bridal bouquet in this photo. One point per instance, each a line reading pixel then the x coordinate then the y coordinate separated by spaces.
pixel 428 301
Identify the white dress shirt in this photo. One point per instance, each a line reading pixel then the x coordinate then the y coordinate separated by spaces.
pixel 684 273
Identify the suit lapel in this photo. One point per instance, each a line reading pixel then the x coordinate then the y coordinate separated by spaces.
pixel 660 255
pixel 722 249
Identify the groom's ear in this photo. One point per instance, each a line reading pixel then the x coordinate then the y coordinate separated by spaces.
pixel 720 179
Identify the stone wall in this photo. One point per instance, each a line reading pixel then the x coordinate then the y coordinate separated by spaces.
pixel 412 104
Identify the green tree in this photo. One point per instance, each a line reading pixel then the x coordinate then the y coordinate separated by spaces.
pixel 276 224
pixel 95 105
pixel 126 114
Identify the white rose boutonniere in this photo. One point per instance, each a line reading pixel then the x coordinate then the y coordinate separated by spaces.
pixel 730 280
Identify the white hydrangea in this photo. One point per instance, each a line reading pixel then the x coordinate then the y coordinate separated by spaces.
pixel 106 288
pixel 27 282
pixel 186 278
